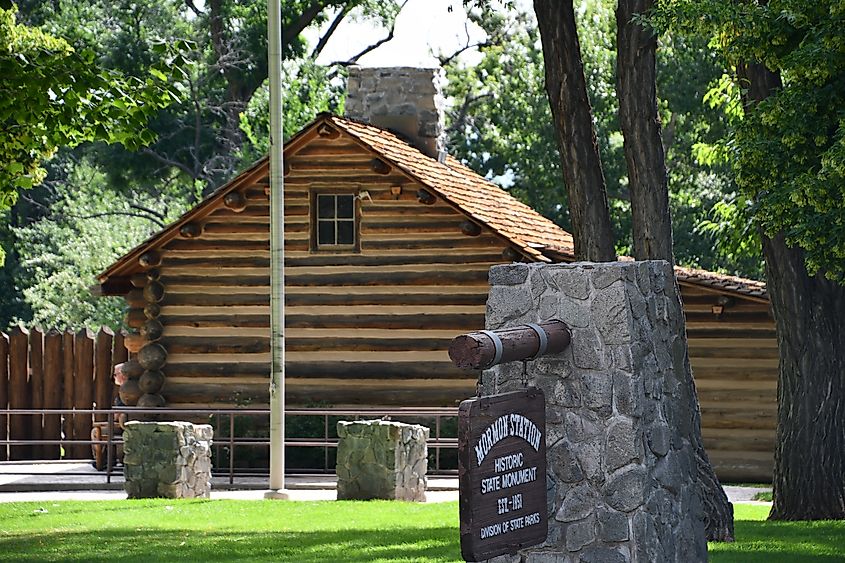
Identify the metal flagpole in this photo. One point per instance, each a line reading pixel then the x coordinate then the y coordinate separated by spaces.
pixel 277 256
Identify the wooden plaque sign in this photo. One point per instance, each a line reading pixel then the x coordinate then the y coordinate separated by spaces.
pixel 502 473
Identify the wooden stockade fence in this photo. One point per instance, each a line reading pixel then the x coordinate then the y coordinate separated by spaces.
pixel 55 370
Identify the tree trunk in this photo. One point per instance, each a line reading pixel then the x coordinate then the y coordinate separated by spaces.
pixel 809 475
pixel 636 77
pixel 637 92
pixel 576 137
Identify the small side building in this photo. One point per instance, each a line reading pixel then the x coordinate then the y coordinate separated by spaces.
pixel 388 241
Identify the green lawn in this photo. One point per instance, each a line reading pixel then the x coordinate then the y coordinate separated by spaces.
pixel 124 531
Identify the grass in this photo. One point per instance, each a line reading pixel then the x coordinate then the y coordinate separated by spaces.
pixel 223 530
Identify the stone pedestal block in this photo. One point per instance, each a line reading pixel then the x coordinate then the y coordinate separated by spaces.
pixel 167 459
pixel 620 410
pixel 378 459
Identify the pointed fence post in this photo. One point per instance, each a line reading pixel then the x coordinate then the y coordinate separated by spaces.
pixel 19 426
pixel 83 391
pixel 103 370
pixel 36 388
pixel 53 362
pixel 68 366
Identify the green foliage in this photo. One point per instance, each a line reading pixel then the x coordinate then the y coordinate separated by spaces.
pixel 53 96
pixel 87 228
pixel 502 126
pixel 788 153
pixel 307 91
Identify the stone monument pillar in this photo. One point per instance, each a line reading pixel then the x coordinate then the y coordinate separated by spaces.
pixel 619 410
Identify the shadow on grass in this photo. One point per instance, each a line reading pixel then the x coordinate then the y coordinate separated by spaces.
pixel 127 545
pixel 767 541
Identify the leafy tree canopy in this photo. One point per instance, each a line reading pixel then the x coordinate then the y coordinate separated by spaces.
pixel 501 125
pixel 53 95
pixel 788 151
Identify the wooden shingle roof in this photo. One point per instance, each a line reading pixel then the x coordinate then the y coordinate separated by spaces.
pixel 474 195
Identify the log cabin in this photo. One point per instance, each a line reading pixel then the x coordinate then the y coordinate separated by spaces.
pixel 388 242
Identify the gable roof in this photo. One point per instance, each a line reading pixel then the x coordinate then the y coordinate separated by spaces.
pixel 470 193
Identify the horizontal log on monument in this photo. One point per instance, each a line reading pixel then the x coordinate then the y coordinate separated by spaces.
pixel 484 349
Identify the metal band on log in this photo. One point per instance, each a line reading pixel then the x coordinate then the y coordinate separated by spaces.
pixel 484 349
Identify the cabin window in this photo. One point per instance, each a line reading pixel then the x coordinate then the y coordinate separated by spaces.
pixel 334 221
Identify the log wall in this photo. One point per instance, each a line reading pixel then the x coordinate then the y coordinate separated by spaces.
pixel 362 328
pixel 734 358
pixel 372 327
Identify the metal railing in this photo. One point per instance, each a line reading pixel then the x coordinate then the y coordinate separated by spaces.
pixel 227 435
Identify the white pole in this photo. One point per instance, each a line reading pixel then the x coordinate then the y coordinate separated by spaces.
pixel 277 256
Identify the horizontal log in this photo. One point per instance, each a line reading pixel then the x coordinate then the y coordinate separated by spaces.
pixel 422 394
pixel 256 209
pixel 222 262
pixel 735 363
pixel 756 467
pixel 479 350
pixel 230 345
pixel 213 229
pixel 331 369
pixel 234 370
pixel 717 353
pixel 228 321
pixel 441 277
pixel 303 392
pixel 747 331
pixel 334 167
pixel 351 343
pixel 738 440
pixel 728 317
pixel 769 343
pixel 301 178
pixel 733 373
pixel 752 396
pixel 317 299
pixel 456 322
pixel 404 278
pixel 334 150
pixel 410 209
pixel 449 226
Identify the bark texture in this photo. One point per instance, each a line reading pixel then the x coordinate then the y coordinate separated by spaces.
pixel 652 224
pixel 636 77
pixel 809 475
pixel 576 137
pixel 809 472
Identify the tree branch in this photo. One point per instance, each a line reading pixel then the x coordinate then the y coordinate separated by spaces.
pixel 321 44
pixel 293 30
pixel 169 162
pixel 124 213
pixel 373 46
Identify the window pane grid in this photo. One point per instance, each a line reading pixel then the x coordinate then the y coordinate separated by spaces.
pixel 335 220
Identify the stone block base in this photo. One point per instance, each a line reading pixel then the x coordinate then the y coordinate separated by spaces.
pixel 378 459
pixel 167 459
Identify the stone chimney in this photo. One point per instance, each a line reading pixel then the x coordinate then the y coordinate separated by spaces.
pixel 405 100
